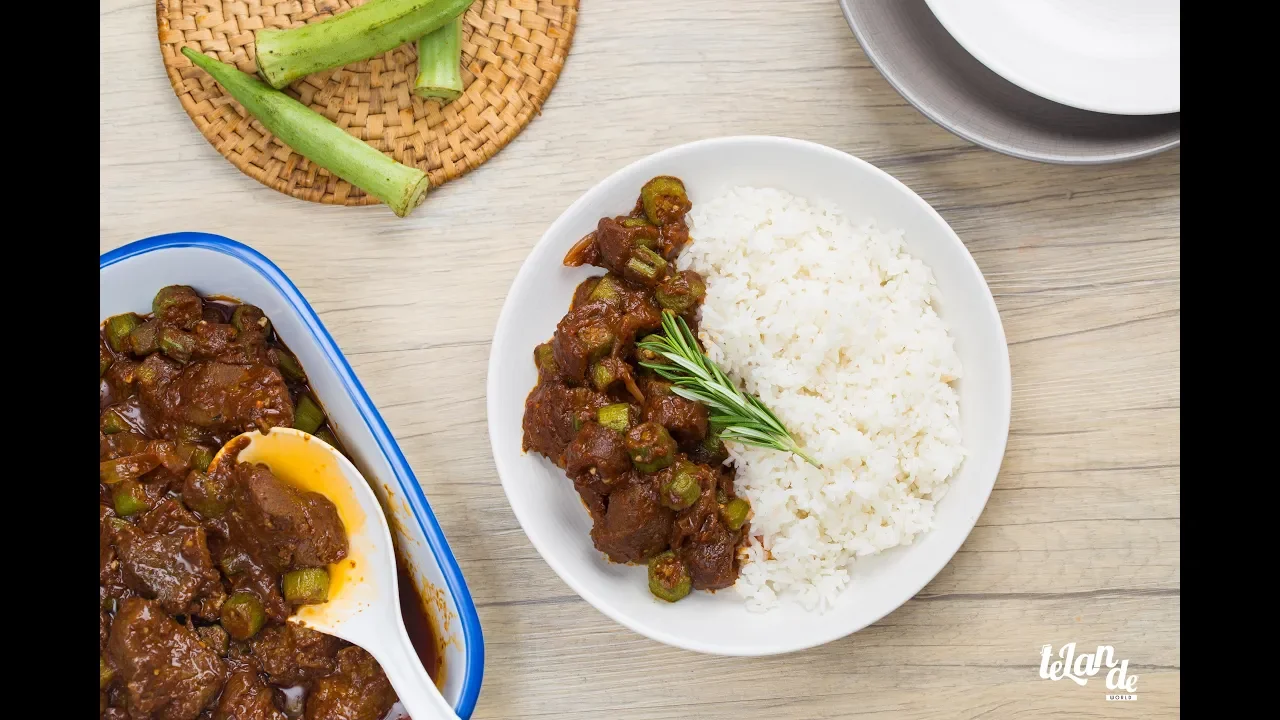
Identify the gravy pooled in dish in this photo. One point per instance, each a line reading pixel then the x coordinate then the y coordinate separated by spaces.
pixel 200 566
pixel 645 461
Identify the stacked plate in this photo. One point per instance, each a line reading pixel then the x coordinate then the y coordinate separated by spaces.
pixel 1064 81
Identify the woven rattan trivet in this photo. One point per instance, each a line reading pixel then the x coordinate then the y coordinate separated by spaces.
pixel 512 53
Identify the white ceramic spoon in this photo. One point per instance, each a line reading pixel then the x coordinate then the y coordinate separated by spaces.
pixel 364 601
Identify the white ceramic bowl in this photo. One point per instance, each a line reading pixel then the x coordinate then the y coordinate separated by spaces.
pixel 549 509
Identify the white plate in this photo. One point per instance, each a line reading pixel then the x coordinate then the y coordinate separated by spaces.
pixel 549 509
pixel 1110 56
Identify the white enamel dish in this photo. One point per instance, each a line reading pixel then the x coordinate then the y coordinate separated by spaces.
pixel 1110 56
pixel 130 276
pixel 549 509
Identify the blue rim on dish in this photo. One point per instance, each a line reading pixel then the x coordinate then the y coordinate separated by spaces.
pixel 386 441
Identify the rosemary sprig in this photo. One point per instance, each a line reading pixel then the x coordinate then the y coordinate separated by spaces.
pixel 743 418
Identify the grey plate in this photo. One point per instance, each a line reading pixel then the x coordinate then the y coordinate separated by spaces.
pixel 951 87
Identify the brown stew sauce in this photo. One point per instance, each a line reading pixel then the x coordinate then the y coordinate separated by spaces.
pixel 412 606
pixel 119 394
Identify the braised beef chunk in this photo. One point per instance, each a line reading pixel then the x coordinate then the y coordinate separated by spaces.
pixel 548 420
pixel 634 307
pixel 640 315
pixel 248 574
pixel 686 420
pixel 653 234
pixel 357 690
pixel 171 569
pixel 553 415
pixel 711 556
pixel 153 377
pixel 179 306
pixel 121 379
pixel 597 450
pixel 593 491
pixel 240 658
pixel 635 526
pixel 630 251
pixel 615 244
pixel 291 528
pixel 224 343
pixel 218 397
pixel 707 547
pixel 166 671
pixel 213 341
pixel 246 697
pixel 582 337
pixel 208 606
pixel 214 638
pixel 592 341
pixel 291 654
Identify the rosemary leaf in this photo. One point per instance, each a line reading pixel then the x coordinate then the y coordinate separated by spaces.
pixel 740 417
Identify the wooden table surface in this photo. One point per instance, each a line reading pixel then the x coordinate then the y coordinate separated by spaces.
pixel 1080 539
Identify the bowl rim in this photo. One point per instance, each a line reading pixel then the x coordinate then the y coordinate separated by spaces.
pixel 498 350
pixel 990 142
pixel 960 30
pixel 473 672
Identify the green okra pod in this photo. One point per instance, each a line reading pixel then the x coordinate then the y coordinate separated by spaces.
pixel 440 63
pixel 357 34
pixel 313 136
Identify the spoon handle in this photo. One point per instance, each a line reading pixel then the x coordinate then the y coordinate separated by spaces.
pixel 415 688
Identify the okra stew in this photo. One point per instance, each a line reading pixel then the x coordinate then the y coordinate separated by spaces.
pixel 647 462
pixel 200 567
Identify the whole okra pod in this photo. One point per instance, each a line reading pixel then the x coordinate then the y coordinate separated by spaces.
pixel 316 138
pixel 357 34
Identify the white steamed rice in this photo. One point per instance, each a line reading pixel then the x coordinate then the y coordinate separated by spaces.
pixel 832 325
